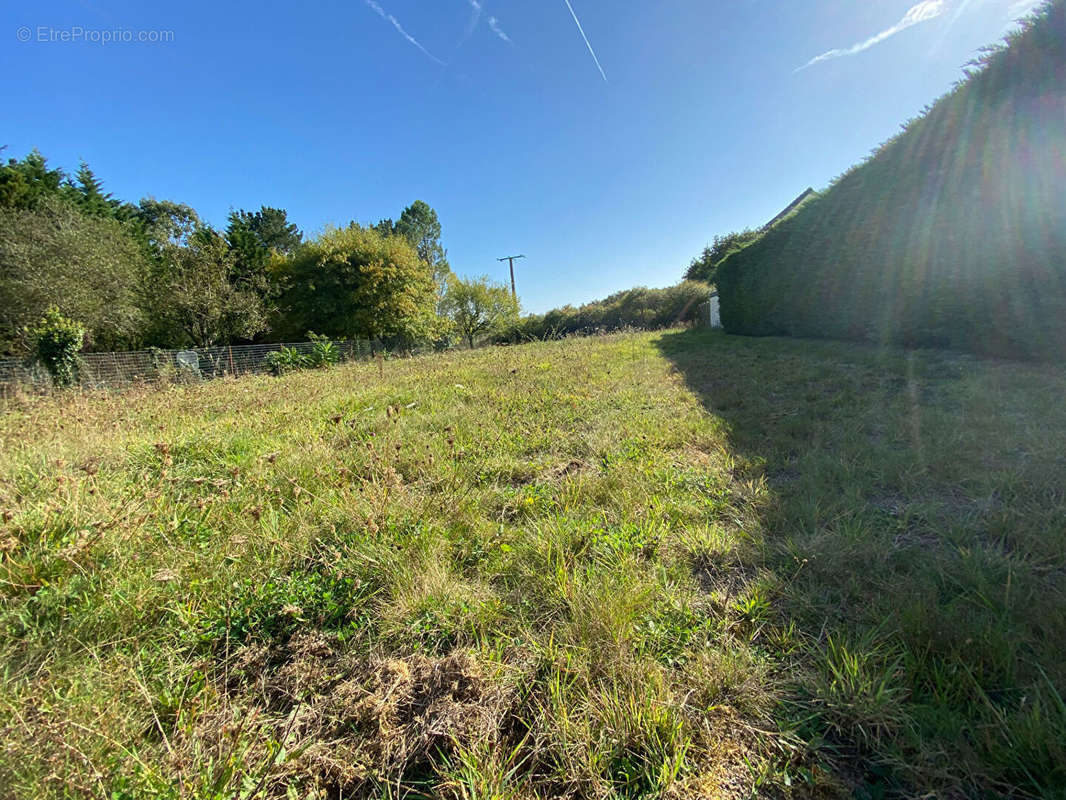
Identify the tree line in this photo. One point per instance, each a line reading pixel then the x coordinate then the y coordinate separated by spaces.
pixel 638 308
pixel 154 274
pixel 81 269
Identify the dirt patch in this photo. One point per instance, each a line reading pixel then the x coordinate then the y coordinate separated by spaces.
pixel 571 467
pixel 394 721
pixel 534 473
pixel 358 722
pixel 727 577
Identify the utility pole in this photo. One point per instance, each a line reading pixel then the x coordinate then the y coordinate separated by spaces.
pixel 511 260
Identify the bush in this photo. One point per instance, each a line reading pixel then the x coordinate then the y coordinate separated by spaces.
pixel 324 352
pixel 355 282
pixel 56 343
pixel 287 359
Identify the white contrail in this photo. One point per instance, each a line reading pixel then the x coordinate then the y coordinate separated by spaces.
pixel 588 44
pixel 960 10
pixel 478 7
pixel 494 25
pixel 396 24
pixel 475 18
pixel 923 12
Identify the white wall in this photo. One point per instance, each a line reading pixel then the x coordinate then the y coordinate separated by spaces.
pixel 715 319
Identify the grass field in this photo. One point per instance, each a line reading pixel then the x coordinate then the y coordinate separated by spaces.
pixel 678 564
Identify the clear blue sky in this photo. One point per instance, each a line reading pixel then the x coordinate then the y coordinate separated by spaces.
pixel 702 125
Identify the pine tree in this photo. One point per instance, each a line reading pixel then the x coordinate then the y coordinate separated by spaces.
pixel 90 195
pixel 23 184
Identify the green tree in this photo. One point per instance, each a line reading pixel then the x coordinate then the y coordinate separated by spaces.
pixel 255 238
pixel 357 282
pixel 267 229
pixel 26 183
pixel 419 225
pixel 91 267
pixel 89 193
pixel 478 307
pixel 196 297
pixel 386 227
pixel 163 222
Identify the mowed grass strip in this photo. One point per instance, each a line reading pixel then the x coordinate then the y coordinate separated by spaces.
pixel 677 564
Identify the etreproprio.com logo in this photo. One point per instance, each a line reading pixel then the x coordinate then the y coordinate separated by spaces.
pixel 47 34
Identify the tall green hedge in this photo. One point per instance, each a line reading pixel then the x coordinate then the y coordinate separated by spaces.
pixel 952 235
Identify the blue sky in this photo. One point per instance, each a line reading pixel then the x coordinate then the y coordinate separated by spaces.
pixel 609 163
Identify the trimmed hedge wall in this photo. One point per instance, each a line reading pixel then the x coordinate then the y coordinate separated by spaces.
pixel 952 235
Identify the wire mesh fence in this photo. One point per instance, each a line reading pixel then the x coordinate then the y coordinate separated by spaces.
pixel 98 370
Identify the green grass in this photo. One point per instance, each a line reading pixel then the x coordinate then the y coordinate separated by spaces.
pixel 680 564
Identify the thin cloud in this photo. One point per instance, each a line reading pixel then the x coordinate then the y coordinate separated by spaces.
pixel 396 24
pixel 494 25
pixel 588 44
pixel 471 26
pixel 477 7
pixel 922 12
pixel 963 6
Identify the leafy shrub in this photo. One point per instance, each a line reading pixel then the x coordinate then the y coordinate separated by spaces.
pixel 324 352
pixel 357 282
pixel 287 359
pixel 56 342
